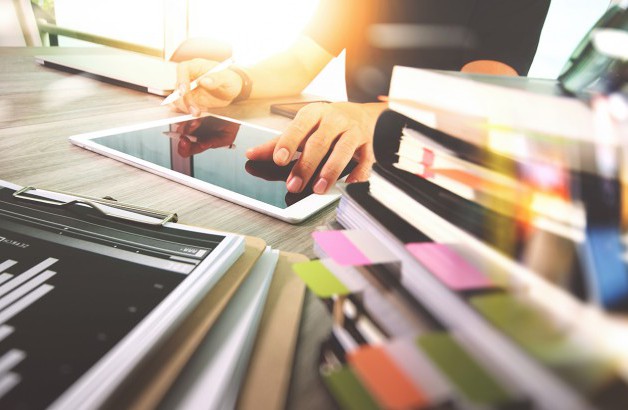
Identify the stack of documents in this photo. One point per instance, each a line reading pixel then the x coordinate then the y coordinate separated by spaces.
pixel 460 276
pixel 104 304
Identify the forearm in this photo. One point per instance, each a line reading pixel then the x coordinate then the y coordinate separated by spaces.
pixel 289 72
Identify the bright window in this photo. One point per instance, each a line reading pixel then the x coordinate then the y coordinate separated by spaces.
pixel 136 21
pixel 255 28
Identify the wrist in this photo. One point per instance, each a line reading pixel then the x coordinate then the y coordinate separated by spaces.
pixel 247 84
pixel 375 109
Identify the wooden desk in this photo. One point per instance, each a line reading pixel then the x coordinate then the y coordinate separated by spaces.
pixel 41 107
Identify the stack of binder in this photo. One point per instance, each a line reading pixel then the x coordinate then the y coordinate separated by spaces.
pixel 461 278
pixel 108 305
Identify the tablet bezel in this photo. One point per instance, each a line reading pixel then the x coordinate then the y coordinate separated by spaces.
pixel 294 213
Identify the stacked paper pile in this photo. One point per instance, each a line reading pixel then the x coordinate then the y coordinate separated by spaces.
pixel 466 274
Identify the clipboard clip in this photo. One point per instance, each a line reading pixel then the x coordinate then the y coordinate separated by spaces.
pixel 107 206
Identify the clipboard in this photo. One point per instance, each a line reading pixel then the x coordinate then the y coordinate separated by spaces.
pixel 106 206
pixel 89 247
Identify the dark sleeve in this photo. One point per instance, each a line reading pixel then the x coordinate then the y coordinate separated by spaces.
pixel 329 27
pixel 507 31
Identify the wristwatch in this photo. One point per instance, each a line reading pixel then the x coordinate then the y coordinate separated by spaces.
pixel 247 85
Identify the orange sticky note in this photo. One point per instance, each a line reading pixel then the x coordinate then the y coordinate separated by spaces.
pixel 385 381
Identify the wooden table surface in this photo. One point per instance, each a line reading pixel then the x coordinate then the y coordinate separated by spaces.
pixel 41 107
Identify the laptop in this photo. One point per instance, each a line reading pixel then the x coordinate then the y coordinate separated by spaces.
pixel 133 70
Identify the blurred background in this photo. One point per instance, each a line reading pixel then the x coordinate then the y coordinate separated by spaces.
pixel 253 29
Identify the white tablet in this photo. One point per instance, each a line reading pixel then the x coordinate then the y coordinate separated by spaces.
pixel 208 154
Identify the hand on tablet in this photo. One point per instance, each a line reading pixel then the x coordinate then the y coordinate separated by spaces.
pixel 342 130
pixel 271 172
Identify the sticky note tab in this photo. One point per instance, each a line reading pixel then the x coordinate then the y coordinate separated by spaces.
pixel 420 369
pixel 585 368
pixel 348 275
pixel 532 330
pixel 370 246
pixel 462 370
pixel 319 279
pixel 390 386
pixel 338 247
pixel 348 390
pixel 455 272
pixel 353 247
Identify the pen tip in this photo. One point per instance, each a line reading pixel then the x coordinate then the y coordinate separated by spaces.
pixel 168 99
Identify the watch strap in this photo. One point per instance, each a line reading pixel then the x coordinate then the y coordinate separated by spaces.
pixel 247 85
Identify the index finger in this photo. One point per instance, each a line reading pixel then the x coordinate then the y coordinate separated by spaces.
pixel 183 77
pixel 262 152
pixel 303 125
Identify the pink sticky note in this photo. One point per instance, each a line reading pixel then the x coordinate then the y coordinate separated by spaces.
pixel 339 248
pixel 448 266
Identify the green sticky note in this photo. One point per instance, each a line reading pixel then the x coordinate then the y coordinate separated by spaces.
pixel 348 390
pixel 532 330
pixel 462 370
pixel 544 340
pixel 319 279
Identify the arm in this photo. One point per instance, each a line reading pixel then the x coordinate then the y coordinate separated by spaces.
pixel 286 73
pixel 344 130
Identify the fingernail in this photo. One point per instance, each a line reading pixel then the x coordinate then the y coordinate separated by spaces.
pixel 294 185
pixel 207 81
pixel 321 186
pixel 194 111
pixel 351 180
pixel 281 156
pixel 249 152
pixel 182 89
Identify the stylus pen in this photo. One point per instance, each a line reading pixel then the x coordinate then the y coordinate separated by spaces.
pixel 176 94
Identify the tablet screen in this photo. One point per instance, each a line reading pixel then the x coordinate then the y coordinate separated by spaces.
pixel 212 150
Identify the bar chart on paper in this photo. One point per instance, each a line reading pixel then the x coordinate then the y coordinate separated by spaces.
pixel 59 316
pixel 18 292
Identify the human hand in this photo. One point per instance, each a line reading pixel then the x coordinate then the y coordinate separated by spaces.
pixel 344 130
pixel 214 90
pixel 490 67
pixel 270 171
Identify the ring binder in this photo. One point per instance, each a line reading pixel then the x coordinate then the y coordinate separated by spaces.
pixel 122 210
